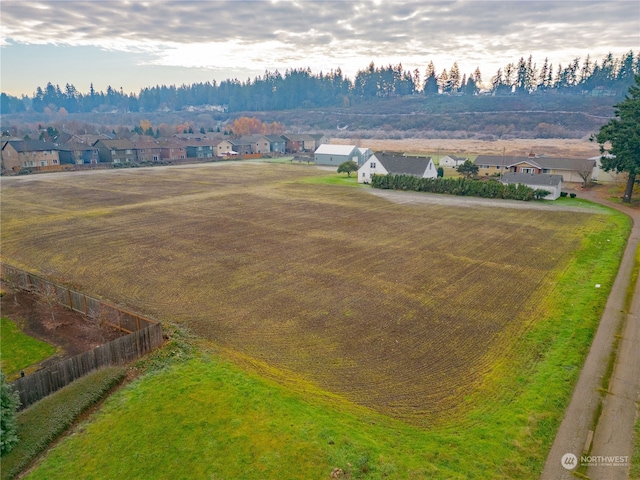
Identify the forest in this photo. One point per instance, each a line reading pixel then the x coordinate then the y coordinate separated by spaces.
pixel 300 88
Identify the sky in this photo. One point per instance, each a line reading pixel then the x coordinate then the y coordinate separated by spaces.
pixel 133 44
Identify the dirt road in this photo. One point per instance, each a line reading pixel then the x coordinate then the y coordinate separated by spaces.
pixel 614 433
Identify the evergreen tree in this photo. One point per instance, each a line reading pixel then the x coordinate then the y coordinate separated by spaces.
pixel 619 139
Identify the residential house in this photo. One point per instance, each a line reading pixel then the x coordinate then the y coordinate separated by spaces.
pixel 599 175
pixel 78 153
pixel 296 143
pixel 452 161
pixel 320 139
pixel 571 169
pixel 148 150
pixel 173 149
pixel 258 143
pixel 225 148
pixel 34 154
pixel 334 155
pixel 383 163
pixel 201 148
pixel 277 144
pixel 544 181
pixel 116 151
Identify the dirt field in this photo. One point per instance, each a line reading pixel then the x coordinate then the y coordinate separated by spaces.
pixel 522 147
pixel 346 289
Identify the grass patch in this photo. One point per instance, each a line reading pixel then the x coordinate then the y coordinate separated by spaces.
pixel 18 350
pixel 46 420
pixel 334 179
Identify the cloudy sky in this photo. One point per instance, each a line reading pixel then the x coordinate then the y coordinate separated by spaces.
pixel 132 44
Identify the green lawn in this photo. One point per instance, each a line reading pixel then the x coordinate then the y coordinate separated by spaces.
pixel 17 350
pixel 208 418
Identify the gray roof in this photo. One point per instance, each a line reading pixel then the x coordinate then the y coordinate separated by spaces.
pixel 539 162
pixel 275 138
pixel 31 145
pixel 399 164
pixel 537 179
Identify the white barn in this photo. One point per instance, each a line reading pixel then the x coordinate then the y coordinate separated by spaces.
pixel 452 161
pixel 382 163
pixel 334 155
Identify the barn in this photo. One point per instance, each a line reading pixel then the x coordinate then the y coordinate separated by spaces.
pixel 334 155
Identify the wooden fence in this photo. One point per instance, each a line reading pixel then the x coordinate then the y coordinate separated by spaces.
pixel 117 352
pixel 98 310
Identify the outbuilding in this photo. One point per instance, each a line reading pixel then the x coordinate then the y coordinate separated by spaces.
pixel 544 181
pixel 334 155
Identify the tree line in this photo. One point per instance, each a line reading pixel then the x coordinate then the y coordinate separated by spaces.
pixel 300 88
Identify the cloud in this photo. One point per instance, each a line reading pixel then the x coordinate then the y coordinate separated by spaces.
pixel 280 34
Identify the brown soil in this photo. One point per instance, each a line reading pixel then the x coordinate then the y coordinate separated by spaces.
pixel 71 333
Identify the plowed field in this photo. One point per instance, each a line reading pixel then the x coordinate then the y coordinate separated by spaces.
pixel 401 308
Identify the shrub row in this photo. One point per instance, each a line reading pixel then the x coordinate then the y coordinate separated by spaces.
pixel 457 186
pixel 46 420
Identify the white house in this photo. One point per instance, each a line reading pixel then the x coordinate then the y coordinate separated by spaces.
pixel 328 154
pixel 544 181
pixel 599 175
pixel 452 161
pixel 381 163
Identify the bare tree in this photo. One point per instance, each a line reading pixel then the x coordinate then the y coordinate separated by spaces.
pixel 584 170
pixel 48 297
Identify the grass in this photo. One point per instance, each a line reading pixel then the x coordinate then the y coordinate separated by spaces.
pixel 18 351
pixel 46 420
pixel 438 342
pixel 335 179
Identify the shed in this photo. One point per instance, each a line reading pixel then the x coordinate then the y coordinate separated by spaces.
pixel 545 181
pixel 334 155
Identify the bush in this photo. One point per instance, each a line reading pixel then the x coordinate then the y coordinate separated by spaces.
pixel 9 403
pixel 46 420
pixel 563 194
pixel 572 195
pixel 454 186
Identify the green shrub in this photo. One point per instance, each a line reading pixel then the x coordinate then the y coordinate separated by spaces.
pixel 9 403
pixel 572 195
pixel 46 420
pixel 563 194
pixel 454 186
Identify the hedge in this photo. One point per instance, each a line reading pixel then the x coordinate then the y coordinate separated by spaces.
pixel 454 186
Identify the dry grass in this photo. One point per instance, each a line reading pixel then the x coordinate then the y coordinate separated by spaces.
pixel 400 308
pixel 519 147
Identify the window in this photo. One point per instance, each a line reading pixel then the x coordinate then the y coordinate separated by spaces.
pixel 43 163
pixel 363 174
pixel 55 162
pixel 546 170
pixel 129 152
pixel 373 164
pixel 527 170
pixel 155 158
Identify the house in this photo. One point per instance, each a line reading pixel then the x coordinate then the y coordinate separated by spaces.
pixel 299 143
pixel 116 151
pixel 571 169
pixel 383 163
pixel 320 139
pixel 334 155
pixel 34 154
pixel 200 148
pixel 258 143
pixel 452 161
pixel 78 153
pixel 224 148
pixel 544 181
pixel 147 150
pixel 599 175
pixel 242 146
pixel 172 149
pixel 277 144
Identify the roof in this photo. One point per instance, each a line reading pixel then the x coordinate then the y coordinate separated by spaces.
pixel 275 138
pixel 254 137
pixel 456 158
pixel 75 145
pixel 30 145
pixel 318 136
pixel 539 162
pixel 116 144
pixel 328 149
pixel 302 137
pixel 537 179
pixel 398 164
